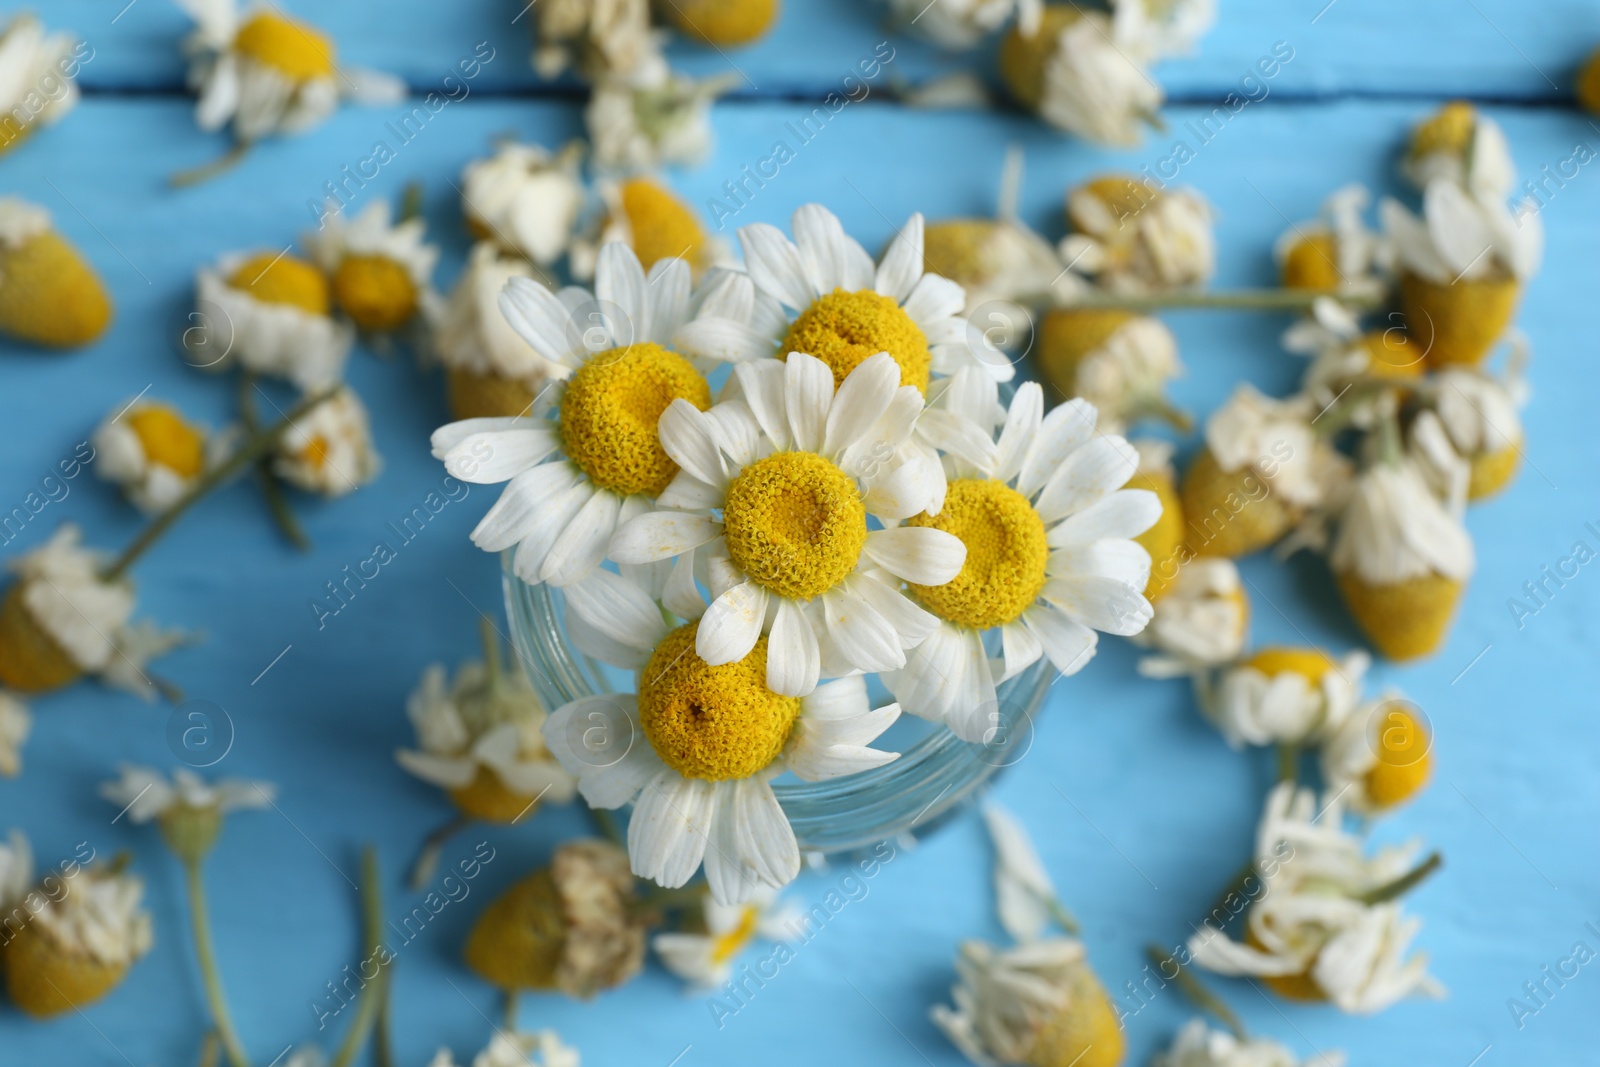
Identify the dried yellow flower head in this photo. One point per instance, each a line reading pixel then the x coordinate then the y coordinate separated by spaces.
pixel 77 946
pixel 1312 262
pixel 844 329
pixel 957 249
pixel 1405 759
pixel 715 723
pixel 662 226
pixel 1312 664
pixel 610 411
pixel 283 279
pixel 1493 471
pixel 375 291
pixel 1392 354
pixel 721 22
pixel 1405 619
pixel 1067 335
pixel 479 396
pixel 572 926
pixel 289 46
pixel 1231 513
pixel 1086 1033
pixel 487 797
pixel 49 294
pixel 1165 540
pixel 795 523
pixel 1023 57
pixel 1458 323
pixel 1448 130
pixel 1006 554
pixel 168 439
pixel 31 661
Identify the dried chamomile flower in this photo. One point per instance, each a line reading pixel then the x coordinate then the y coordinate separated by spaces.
pixel 39 67
pixel 1132 236
pixel 380 271
pixel 490 371
pixel 992 259
pixel 1335 249
pixel 598 38
pixel 79 945
pixel 1201 620
pixel 648 217
pixel 1480 415
pixel 1079 71
pixel 49 294
pixel 1459 145
pixel 1329 929
pixel 1037 1005
pixel 15 723
pixel 574 926
pixel 268 73
pixel 704 956
pixel 61 619
pixel 479 738
pixel 519 1049
pixel 641 123
pixel 526 199
pixel 1199 1046
pixel 1401 558
pixel 272 312
pixel 1380 757
pixel 724 23
pixel 1344 356
pixel 1160 28
pixel 957 24
pixel 1164 540
pixel 151 451
pixel 1118 361
pixel 1288 696
pixel 329 451
pixel 187 810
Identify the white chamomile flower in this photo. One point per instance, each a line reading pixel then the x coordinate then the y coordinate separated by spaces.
pixel 1197 1045
pixel 15 723
pixel 328 450
pixel 774 493
pixel 526 199
pixel 1380 757
pixel 151 451
pixel 650 119
pixel 596 37
pixel 1081 72
pixel 1050 558
pixel 955 24
pixel 1132 236
pixel 380 271
pixel 1463 236
pixel 1117 361
pixel 574 479
pixel 1287 696
pixel 272 313
pixel 1274 439
pixel 36 77
pixel 1459 145
pixel 491 371
pixel 1480 415
pixel 1200 621
pixel 146 794
pixel 1327 930
pixel 705 960
pixel 268 73
pixel 703 743
pixel 480 737
pixel 1335 249
pixel 846 307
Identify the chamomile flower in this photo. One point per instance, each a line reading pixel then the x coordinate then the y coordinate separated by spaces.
pixel 15 723
pixel 703 743
pixel 151 451
pixel 525 198
pixel 1197 1045
pixel 1335 249
pixel 1480 414
pixel 1080 72
pixel 272 313
pixel 1380 757
pixel 36 78
pixel 574 926
pixel 188 810
pixel 996 259
pixel 574 480
pixel 519 1049
pixel 1050 560
pixel 596 37
pixel 479 737
pixel 1131 236
pixel 268 74
pixel 646 121
pixel 380 271
pixel 1288 696
pixel 1118 361
pixel 329 450
pixel 490 371
pixel 644 214
pixel 1036 1004
pixel 78 946
pixel 847 308
pixel 775 491
pixel 722 23
pixel 705 959
pixel 1343 355
pixel 49 294
pixel 61 620
pixel 1328 930
pixel 956 24
pixel 1165 539
pixel 1457 144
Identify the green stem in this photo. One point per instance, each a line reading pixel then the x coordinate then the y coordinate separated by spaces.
pixel 1390 448
pixel 248 453
pixel 491 652
pixel 428 856
pixel 373 995
pixel 1405 883
pixel 210 1050
pixel 410 201
pixel 205 953
pixel 1288 762
pixel 511 1011
pixel 1237 885
pixel 1290 300
pixel 206 171
pixel 271 484
pixel 1202 997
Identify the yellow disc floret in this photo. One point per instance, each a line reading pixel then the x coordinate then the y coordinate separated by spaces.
pixel 1449 129
pixel 722 22
pixel 1006 554
pixel 1391 354
pixel 1023 58
pixel 1404 759
pixel 31 660
pixel 795 523
pixel 1309 663
pixel 168 441
pixel 287 45
pixel 1164 540
pixel 958 249
pixel 50 295
pixel 276 279
pixel 843 329
pixel 663 226
pixel 610 411
pixel 715 723
pixel 375 291
pixel 1312 262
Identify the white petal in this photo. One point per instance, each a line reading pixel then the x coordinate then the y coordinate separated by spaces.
pixel 902 263
pixel 911 622
pixel 1019 647
pixel 763 384
pixel 724 340
pixel 598 739
pixel 731 626
pixel 1064 429
pixel 752 842
pixel 539 317
pixel 807 399
pixel 518 509
pixel 1106 604
pixel 667 289
pixel 1023 420
pixel 822 244
pixel 662 535
pixel 909 552
pixel 688 438
pixel 863 635
pixel 618 608
pixel 546 525
pixel 774 265
pixel 582 545
pixel 1125 513
pixel 619 288
pixel 682 596
pixel 793 659
pixel 934 298
pixel 863 397
pixel 1069 644
pixel 667 833
pixel 1087 475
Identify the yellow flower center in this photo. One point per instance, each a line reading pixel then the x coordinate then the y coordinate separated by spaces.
pixel 663 226
pixel 1312 263
pixel 842 329
pixel 1390 354
pixel 716 723
pixel 315 453
pixel 50 295
pixel 1006 554
pixel 275 279
pixel 167 440
pixel 1066 336
pixel 728 945
pixel 1023 58
pixel 1164 540
pixel 1123 195
pixel 1310 663
pixel 795 523
pixel 1449 129
pixel 610 412
pixel 375 291
pixel 1404 760
pixel 289 46
pixel 722 22
pixel 958 249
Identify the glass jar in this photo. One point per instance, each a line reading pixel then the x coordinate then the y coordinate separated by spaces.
pixel 936 777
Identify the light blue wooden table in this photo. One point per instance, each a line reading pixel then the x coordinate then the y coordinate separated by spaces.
pixel 1160 811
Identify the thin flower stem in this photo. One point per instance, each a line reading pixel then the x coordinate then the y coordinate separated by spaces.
pixel 1405 883
pixel 271 484
pixel 1389 441
pixel 206 171
pixel 1288 762
pixel 1238 884
pixel 1064 918
pixel 1294 301
pixel 511 1011
pixel 427 860
pixel 372 927
pixel 247 454
pixel 491 652
pixel 210 1050
pixel 411 201
pixel 1197 992
pixel 205 953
